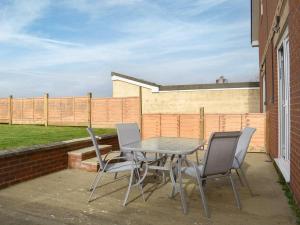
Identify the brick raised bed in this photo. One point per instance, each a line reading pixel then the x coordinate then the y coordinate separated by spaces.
pixel 27 163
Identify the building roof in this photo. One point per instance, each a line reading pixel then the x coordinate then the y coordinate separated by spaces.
pixel 134 79
pixel 156 87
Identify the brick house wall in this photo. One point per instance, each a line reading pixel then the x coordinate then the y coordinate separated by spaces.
pixel 294 35
pixel 270 71
pixel 290 18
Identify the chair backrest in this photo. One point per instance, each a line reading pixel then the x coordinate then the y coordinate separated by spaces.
pixel 220 153
pixel 96 146
pixel 128 133
pixel 243 145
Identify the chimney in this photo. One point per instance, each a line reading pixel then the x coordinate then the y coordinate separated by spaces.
pixel 221 80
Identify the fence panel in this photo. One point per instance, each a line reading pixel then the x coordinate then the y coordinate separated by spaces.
pixel 81 110
pixel 38 111
pixel 151 125
pixel 99 112
pixel 67 110
pixel 259 122
pixel 106 112
pixel 54 111
pixel 17 111
pixel 115 110
pixel 169 125
pixel 4 110
pixel 131 110
pixel 211 124
pixel 188 125
pixel 230 122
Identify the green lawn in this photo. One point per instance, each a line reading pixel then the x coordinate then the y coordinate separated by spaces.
pixel 14 136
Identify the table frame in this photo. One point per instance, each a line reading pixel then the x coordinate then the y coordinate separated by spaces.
pixel 173 152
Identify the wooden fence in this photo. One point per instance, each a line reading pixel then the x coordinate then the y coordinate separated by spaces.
pixel 191 125
pixel 70 111
pixel 106 112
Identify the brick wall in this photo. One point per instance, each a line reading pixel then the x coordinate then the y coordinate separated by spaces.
pixel 271 76
pixel 24 164
pixel 272 101
pixel 292 21
pixel 294 37
pixel 243 100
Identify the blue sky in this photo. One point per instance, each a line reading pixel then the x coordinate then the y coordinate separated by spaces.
pixel 69 47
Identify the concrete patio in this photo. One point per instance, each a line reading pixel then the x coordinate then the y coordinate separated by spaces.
pixel 61 198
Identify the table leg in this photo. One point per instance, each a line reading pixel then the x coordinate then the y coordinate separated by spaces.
pixel 172 177
pixel 181 190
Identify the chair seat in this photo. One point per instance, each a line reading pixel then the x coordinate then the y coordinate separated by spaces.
pixel 191 170
pixel 121 166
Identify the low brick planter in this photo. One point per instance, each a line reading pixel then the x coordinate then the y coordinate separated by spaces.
pixel 27 163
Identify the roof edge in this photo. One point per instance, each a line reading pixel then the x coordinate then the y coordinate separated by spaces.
pixel 156 87
pixel 135 81
pixel 235 85
pixel 254 22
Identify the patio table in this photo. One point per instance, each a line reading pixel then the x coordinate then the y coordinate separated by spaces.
pixel 174 146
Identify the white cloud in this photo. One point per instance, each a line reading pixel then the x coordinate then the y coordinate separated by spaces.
pixel 17 15
pixel 96 8
pixel 160 48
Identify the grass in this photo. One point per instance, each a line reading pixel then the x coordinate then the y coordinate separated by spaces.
pixel 15 136
pixel 288 193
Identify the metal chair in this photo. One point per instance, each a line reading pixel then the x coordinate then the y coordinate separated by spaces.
pixel 240 155
pixel 129 133
pixel 217 163
pixel 108 167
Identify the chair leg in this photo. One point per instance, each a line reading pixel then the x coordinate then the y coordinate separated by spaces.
pixel 164 177
pixel 129 187
pixel 236 195
pixel 246 181
pixel 197 157
pixel 96 183
pixel 173 179
pixel 203 198
pixel 92 184
pixel 140 185
pixel 239 176
pixel 181 189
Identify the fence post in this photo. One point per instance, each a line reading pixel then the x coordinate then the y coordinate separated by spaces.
pixel 141 109
pixel 89 95
pixel 202 123
pixel 46 112
pixel 10 109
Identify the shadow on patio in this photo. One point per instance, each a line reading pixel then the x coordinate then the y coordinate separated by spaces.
pixel 61 198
